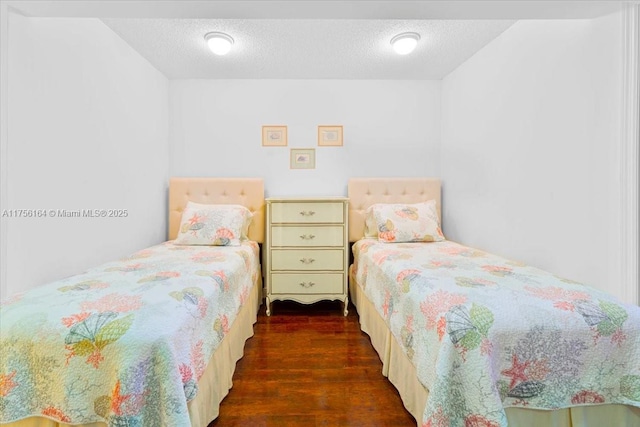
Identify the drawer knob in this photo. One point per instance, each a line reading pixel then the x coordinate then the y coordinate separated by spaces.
pixel 307 213
pixel 307 260
pixel 307 236
pixel 306 284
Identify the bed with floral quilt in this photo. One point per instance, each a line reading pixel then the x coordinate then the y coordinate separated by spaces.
pixel 474 339
pixel 148 340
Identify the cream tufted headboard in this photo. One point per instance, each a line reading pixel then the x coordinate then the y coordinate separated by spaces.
pixel 364 192
pixel 247 192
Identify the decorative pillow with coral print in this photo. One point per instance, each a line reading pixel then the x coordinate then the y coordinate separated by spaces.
pixel 406 222
pixel 213 225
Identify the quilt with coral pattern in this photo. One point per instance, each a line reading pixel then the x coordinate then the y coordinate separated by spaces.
pixel 486 333
pixel 124 343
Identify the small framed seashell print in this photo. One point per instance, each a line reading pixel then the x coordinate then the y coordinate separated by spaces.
pixel 303 158
pixel 274 136
pixel 330 136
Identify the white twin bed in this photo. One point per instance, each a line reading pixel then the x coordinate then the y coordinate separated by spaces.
pixel 152 339
pixel 463 334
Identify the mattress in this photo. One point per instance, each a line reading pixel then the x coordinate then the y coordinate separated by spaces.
pixel 469 338
pixel 148 340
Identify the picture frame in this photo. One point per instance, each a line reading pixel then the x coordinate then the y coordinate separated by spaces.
pixel 274 136
pixel 330 136
pixel 303 158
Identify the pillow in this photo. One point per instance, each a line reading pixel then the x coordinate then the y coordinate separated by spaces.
pixel 214 225
pixel 397 223
pixel 370 227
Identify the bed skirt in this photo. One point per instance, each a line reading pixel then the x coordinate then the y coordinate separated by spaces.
pixel 397 367
pixel 215 383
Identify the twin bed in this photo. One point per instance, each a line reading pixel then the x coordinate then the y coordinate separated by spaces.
pixel 153 339
pixel 463 334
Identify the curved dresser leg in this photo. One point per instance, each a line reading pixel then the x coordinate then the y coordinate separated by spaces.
pixel 346 305
pixel 268 304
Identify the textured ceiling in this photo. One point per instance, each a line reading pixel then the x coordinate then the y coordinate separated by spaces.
pixel 346 39
pixel 306 48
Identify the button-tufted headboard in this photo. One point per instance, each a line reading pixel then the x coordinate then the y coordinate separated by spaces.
pixel 247 192
pixel 364 192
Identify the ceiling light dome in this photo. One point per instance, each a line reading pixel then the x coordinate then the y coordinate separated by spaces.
pixel 405 43
pixel 219 43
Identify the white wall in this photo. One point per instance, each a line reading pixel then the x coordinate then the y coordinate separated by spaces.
pixel 4 84
pixel 87 129
pixel 530 136
pixel 391 128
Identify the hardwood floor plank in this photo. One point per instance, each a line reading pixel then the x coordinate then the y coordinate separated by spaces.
pixel 308 365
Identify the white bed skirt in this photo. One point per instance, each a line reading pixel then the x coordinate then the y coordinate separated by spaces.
pixel 397 367
pixel 216 381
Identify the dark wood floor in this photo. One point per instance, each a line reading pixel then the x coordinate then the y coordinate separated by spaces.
pixel 307 365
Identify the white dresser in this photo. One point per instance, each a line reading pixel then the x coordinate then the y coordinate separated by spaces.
pixel 306 253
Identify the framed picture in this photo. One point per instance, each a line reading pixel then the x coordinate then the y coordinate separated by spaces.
pixel 330 136
pixel 303 158
pixel 274 136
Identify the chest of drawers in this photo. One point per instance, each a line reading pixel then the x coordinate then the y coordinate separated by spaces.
pixel 306 250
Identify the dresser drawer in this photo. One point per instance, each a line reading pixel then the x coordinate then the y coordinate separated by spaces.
pixel 301 212
pixel 307 283
pixel 307 236
pixel 307 259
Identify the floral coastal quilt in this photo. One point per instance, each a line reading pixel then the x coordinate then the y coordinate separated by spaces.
pixel 486 333
pixel 124 343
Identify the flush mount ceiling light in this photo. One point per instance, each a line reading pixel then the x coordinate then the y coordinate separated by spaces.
pixel 219 43
pixel 405 43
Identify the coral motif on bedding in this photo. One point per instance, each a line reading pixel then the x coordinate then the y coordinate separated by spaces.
pixel 6 383
pixel 101 347
pixel 486 333
pixel 587 396
pixel 56 414
pixel 91 335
